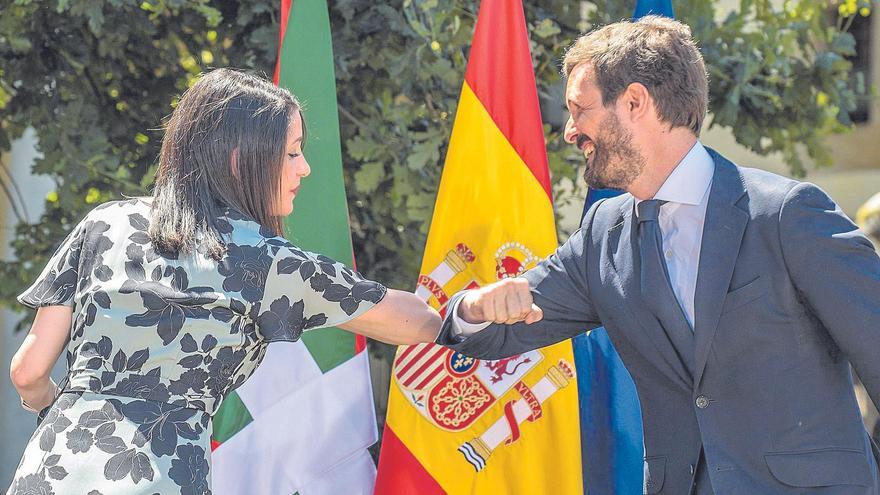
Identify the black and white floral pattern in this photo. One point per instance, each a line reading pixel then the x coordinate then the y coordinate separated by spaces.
pixel 158 341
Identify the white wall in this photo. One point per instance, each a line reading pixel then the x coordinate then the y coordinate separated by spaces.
pixel 16 424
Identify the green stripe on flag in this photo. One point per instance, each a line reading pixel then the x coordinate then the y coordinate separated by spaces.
pixel 234 416
pixel 319 221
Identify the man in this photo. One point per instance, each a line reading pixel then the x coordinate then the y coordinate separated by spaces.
pixel 736 298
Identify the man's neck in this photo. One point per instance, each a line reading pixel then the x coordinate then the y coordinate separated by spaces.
pixel 662 158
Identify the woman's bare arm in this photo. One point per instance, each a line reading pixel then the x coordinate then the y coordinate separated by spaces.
pixel 400 318
pixel 34 360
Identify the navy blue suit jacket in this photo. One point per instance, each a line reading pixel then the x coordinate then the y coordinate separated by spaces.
pixel 787 297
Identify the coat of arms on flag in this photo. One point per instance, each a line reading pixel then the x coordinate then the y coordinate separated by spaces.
pixel 452 390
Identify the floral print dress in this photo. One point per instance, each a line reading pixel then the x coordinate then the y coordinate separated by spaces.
pixel 158 341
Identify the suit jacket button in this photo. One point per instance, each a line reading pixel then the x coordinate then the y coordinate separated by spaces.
pixel 702 402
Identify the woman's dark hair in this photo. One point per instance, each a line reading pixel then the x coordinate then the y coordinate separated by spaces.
pixel 224 146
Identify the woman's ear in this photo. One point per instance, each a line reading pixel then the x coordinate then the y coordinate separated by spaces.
pixel 233 162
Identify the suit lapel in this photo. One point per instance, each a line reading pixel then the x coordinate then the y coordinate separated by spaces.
pixel 620 250
pixel 723 230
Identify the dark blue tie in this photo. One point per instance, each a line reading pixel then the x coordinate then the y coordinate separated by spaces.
pixel 656 289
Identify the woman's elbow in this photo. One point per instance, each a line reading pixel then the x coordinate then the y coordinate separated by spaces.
pixel 25 375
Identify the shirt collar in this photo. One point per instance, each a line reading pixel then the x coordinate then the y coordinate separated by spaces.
pixel 691 178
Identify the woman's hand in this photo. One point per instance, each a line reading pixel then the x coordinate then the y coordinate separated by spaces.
pixel 42 400
pixel 34 360
pixel 400 318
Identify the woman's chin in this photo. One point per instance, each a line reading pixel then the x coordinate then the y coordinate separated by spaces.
pixel 283 211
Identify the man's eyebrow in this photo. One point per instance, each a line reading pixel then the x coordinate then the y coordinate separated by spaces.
pixel 573 103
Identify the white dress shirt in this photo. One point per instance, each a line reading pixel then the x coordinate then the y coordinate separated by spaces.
pixel 686 192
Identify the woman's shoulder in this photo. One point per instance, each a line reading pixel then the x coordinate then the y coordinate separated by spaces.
pixel 240 229
pixel 132 212
pixel 121 209
pixel 247 234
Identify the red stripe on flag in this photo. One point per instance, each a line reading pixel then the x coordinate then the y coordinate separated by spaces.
pixel 417 358
pixel 429 370
pixel 500 73
pixel 406 352
pixel 510 416
pixel 431 361
pixel 285 13
pixel 400 472
pixel 214 445
pixel 424 383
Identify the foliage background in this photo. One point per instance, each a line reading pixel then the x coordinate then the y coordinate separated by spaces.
pixel 96 78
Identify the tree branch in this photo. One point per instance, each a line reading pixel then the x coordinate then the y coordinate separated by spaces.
pixel 361 125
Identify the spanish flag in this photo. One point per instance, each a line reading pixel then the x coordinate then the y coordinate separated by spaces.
pixel 455 424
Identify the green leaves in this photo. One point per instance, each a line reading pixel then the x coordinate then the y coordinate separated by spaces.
pixel 426 149
pixel 107 72
pixel 779 77
pixel 546 28
pixel 368 178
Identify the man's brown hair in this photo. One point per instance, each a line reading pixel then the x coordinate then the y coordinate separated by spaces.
pixel 657 52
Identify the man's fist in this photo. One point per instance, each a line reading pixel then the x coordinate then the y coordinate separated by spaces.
pixel 507 301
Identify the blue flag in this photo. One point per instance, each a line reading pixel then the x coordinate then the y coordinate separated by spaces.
pixel 611 418
pixel 653 7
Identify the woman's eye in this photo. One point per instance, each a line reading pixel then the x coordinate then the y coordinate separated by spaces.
pixel 293 155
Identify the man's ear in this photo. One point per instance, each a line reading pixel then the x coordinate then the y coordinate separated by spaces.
pixel 233 162
pixel 636 101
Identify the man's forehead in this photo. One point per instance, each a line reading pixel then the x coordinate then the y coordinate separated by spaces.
pixel 580 80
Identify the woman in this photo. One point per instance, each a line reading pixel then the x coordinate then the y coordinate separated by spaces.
pixel 166 304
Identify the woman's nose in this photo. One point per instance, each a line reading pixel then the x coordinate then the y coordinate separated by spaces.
pixel 305 170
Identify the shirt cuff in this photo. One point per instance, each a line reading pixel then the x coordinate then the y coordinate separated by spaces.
pixel 461 328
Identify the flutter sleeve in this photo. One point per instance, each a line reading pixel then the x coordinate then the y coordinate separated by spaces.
pixel 305 291
pixel 56 285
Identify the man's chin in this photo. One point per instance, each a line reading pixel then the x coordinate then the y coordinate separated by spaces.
pixel 600 183
pixel 593 180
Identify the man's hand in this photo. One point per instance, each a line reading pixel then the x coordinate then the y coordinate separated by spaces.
pixel 507 301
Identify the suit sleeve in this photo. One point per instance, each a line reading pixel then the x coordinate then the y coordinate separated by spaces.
pixel 559 287
pixel 837 271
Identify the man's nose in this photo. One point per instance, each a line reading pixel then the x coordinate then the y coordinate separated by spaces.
pixel 571 133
